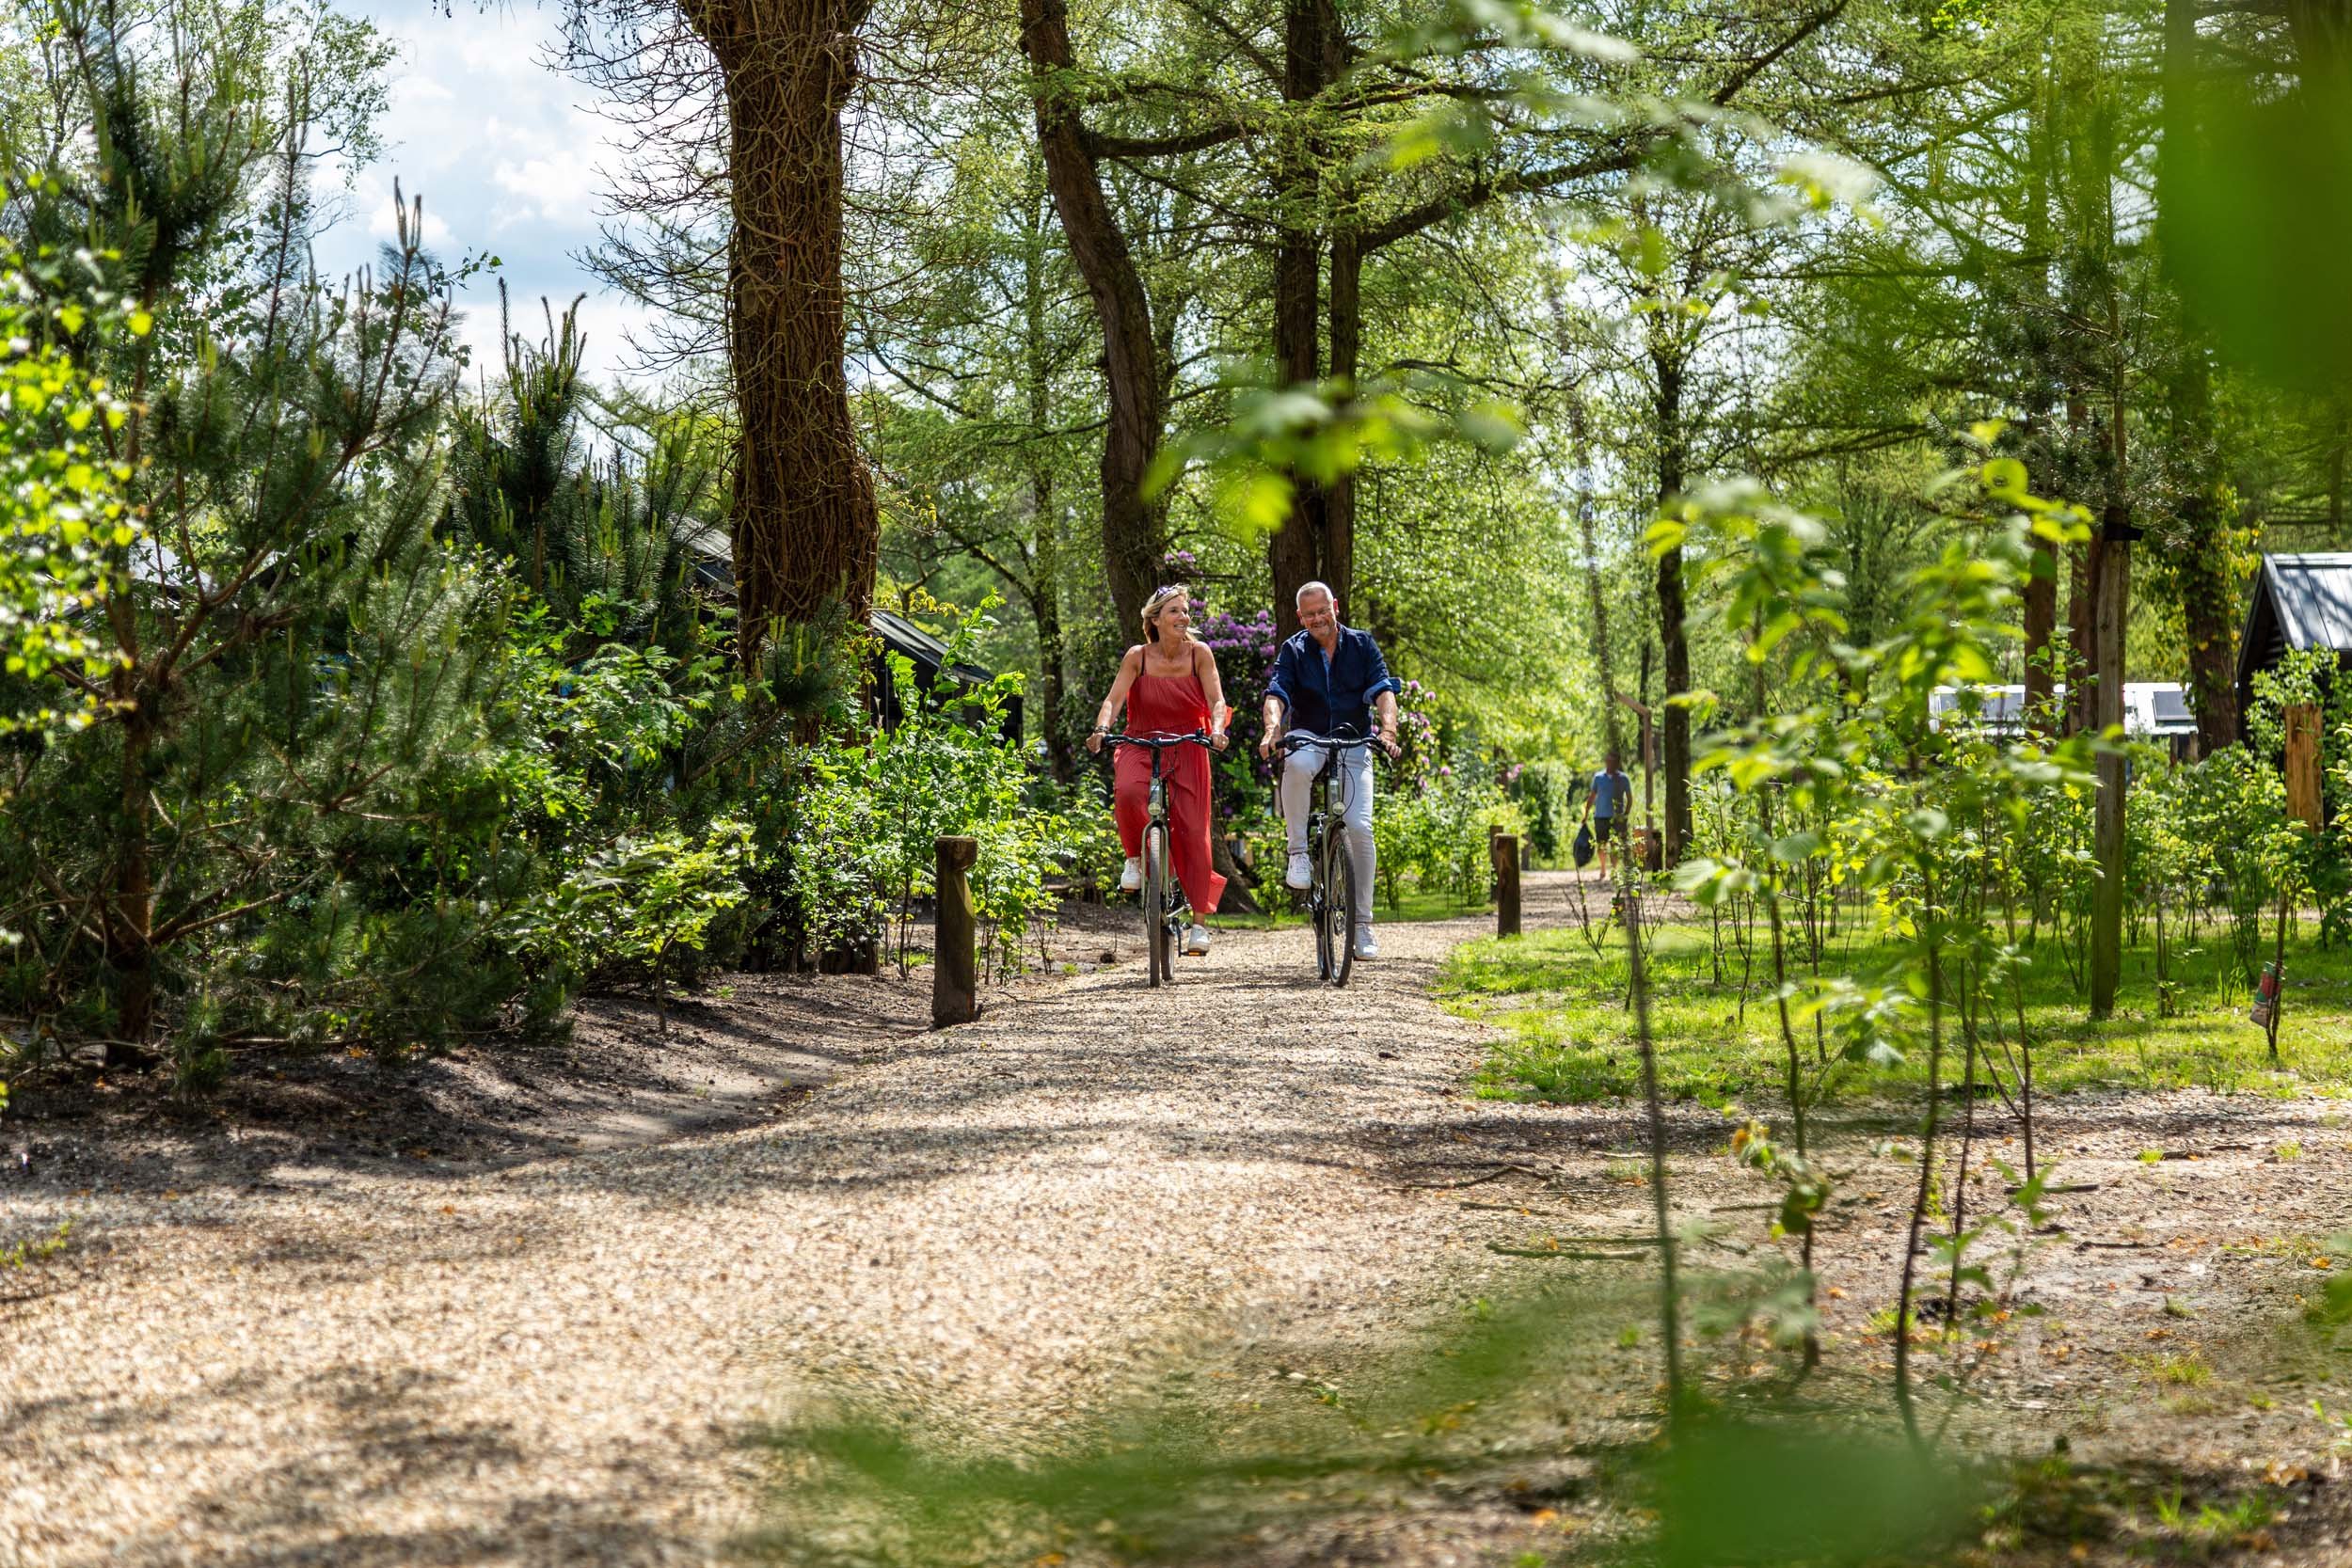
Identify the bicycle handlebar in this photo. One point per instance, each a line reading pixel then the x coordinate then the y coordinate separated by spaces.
pixel 1331 743
pixel 1158 742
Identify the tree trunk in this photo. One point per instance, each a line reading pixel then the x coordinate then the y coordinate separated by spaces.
pixel 1133 526
pixel 2041 587
pixel 1347 334
pixel 2041 626
pixel 2208 593
pixel 805 531
pixel 1046 609
pixel 1673 640
pixel 2114 605
pixel 2081 654
pixel 1298 553
pixel 131 917
pixel 2209 619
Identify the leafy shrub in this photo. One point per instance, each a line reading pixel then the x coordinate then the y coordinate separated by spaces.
pixel 851 829
pixel 1435 830
pixel 1545 792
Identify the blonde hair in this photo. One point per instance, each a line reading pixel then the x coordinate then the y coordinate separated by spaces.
pixel 1161 598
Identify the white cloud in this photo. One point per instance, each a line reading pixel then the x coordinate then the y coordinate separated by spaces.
pixel 505 153
pixel 560 185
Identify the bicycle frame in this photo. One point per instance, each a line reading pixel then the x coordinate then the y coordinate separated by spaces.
pixel 1166 912
pixel 1331 912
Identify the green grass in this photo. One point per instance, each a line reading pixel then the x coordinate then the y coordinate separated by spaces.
pixel 1568 1014
pixel 1415 904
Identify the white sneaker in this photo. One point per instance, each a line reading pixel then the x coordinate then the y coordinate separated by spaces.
pixel 1301 873
pixel 1131 874
pixel 1365 946
pixel 1197 941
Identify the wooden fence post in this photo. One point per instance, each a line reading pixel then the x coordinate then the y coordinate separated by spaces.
pixel 2304 764
pixel 954 961
pixel 1505 850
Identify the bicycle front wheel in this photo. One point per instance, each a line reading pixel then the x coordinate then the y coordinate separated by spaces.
pixel 1156 946
pixel 1338 936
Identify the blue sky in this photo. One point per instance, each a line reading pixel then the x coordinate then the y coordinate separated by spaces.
pixel 506 153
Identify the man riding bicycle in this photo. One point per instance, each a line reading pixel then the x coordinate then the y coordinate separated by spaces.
pixel 1326 680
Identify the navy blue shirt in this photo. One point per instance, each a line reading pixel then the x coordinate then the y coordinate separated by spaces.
pixel 1329 699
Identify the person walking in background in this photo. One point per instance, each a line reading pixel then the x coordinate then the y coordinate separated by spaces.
pixel 1326 680
pixel 1170 685
pixel 1609 806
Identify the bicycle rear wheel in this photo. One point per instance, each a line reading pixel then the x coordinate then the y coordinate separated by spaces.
pixel 1338 907
pixel 1156 899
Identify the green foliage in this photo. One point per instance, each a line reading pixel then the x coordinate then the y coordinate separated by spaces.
pixel 64 526
pixel 36 1249
pixel 350 778
pixel 854 834
pixel 1546 793
pixel 1433 827
pixel 608 544
pixel 639 899
pixel 1180 1472
pixel 298 677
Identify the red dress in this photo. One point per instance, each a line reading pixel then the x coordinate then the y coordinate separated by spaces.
pixel 1169 705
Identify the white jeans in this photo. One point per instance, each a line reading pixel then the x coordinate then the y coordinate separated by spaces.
pixel 1354 793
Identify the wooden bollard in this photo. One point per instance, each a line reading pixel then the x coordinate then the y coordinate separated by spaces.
pixel 2304 794
pixel 1505 848
pixel 955 964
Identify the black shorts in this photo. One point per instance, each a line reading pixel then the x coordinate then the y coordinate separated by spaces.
pixel 1605 828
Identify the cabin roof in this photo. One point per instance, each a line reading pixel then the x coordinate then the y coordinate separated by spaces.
pixel 2301 601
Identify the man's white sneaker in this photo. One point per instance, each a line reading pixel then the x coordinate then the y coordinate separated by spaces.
pixel 1131 876
pixel 1301 873
pixel 1197 941
pixel 1365 946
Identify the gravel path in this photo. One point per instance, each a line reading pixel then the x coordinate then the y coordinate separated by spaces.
pixel 557 1363
pixel 994 1232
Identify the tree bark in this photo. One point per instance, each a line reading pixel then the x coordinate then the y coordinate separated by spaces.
pixel 805 531
pixel 2041 626
pixel 2042 586
pixel 1133 526
pixel 2081 655
pixel 1674 642
pixel 130 917
pixel 1298 553
pixel 1347 335
pixel 2209 619
pixel 2107 913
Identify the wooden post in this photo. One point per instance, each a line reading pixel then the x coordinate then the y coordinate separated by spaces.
pixel 2303 791
pixel 1504 851
pixel 955 967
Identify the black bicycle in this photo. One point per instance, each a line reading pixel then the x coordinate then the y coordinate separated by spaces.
pixel 1331 872
pixel 1165 911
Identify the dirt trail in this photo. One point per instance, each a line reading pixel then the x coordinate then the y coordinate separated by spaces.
pixel 557 1361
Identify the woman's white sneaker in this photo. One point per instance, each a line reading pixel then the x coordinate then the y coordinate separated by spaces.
pixel 1365 946
pixel 1301 873
pixel 1197 941
pixel 1131 874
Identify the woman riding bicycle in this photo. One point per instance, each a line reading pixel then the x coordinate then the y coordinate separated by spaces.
pixel 1170 685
